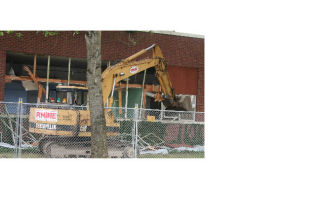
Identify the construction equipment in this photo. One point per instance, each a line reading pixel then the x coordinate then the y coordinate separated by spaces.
pixel 68 130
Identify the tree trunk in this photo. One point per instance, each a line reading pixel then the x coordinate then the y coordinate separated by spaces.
pixel 97 115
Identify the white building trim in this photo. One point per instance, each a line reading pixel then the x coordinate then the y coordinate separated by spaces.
pixel 178 34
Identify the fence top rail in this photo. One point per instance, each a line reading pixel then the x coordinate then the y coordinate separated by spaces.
pixel 113 108
pixel 159 110
pixel 175 121
pixel 3 102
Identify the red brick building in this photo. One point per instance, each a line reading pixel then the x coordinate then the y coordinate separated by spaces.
pixel 184 54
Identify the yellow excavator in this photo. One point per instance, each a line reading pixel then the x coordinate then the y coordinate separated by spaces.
pixel 66 131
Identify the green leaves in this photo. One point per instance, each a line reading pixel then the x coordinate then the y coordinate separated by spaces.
pixel 49 33
pixel 8 32
pixel 45 33
pixel 19 35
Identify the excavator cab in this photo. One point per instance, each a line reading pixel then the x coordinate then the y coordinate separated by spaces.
pixel 72 95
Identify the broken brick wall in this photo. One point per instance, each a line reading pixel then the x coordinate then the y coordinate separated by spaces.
pixel 185 55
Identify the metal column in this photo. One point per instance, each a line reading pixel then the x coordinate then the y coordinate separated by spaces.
pixel 69 69
pixel 48 74
pixel 126 106
pixel 142 92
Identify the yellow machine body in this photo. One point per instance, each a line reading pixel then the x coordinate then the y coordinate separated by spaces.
pixel 66 123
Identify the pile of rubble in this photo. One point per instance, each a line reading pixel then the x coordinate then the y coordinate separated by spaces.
pixel 152 144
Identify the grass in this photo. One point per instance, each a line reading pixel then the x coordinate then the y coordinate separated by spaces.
pixel 9 153
pixel 23 155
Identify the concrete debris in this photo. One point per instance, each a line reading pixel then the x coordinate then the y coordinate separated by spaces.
pixel 178 145
pixel 158 151
pixel 166 150
pixel 23 146
pixel 193 149
pixel 6 145
pixel 29 85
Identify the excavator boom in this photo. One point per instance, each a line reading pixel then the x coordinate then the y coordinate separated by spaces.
pixel 129 67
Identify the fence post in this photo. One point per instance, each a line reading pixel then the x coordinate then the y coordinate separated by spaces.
pixel 135 131
pixel 20 126
pixel 16 135
pixel 161 112
pixel 194 115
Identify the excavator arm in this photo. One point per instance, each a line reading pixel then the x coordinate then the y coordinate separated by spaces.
pixel 129 67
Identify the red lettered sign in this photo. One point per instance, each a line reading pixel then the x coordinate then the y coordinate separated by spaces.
pixel 46 115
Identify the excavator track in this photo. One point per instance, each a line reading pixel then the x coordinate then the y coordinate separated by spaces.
pixel 56 149
pixel 59 149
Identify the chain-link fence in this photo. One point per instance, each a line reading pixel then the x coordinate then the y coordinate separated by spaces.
pixel 64 131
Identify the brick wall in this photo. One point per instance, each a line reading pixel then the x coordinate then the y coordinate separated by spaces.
pixel 200 90
pixel 2 73
pixel 184 79
pixel 179 51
